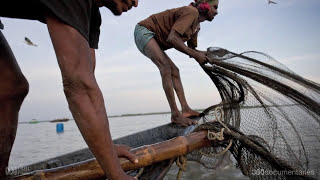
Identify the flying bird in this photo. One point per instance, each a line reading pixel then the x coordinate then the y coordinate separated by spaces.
pixel 29 42
pixel 271 2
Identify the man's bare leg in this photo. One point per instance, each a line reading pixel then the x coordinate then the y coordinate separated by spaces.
pixel 177 84
pixel 13 89
pixel 83 94
pixel 154 52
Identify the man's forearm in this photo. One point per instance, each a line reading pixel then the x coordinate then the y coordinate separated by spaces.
pixel 178 44
pixel 90 115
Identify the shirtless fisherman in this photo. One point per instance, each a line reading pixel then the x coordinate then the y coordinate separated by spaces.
pixel 74 28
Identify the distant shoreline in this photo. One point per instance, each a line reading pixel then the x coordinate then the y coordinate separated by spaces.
pixel 114 116
pixel 139 114
pixel 144 114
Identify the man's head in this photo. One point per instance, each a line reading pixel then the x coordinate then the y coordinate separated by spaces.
pixel 117 7
pixel 207 8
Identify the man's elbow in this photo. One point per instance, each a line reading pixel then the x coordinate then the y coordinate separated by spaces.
pixel 170 40
pixel 192 47
pixel 78 85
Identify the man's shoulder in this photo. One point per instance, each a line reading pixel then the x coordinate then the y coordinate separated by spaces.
pixel 189 9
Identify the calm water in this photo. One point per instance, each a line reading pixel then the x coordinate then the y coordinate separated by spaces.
pixel 36 142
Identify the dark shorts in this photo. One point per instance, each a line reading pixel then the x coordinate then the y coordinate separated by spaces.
pixel 83 15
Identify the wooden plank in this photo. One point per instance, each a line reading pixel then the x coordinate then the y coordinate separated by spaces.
pixel 146 155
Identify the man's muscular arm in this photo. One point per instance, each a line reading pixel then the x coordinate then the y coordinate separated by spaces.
pixel 83 94
pixel 175 40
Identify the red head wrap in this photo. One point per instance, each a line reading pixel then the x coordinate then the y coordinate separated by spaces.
pixel 204 5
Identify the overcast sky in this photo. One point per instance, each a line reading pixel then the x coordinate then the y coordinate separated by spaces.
pixel 288 31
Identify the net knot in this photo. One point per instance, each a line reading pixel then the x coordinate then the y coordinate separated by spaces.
pixel 212 136
pixel 182 164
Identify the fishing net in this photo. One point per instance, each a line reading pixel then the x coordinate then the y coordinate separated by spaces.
pixel 270 117
pixel 268 120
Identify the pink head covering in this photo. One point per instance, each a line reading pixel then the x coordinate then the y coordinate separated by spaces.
pixel 204 5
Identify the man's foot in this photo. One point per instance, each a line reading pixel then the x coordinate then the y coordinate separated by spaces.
pixel 190 113
pixel 183 121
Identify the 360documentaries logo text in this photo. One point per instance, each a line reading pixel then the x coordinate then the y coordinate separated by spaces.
pixel 266 172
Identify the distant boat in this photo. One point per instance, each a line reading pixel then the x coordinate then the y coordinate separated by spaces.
pixel 34 121
pixel 60 120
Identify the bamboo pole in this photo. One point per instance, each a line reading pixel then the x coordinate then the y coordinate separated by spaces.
pixel 147 155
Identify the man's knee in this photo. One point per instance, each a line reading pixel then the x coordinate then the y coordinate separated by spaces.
pixel 165 70
pixel 16 89
pixel 71 86
pixel 75 85
pixel 175 73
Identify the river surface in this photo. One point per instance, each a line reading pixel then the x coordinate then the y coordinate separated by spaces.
pixel 37 142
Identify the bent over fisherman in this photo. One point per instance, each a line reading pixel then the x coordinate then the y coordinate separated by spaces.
pixel 171 29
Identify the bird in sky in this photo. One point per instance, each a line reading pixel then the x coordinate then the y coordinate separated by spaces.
pixel 29 42
pixel 271 2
